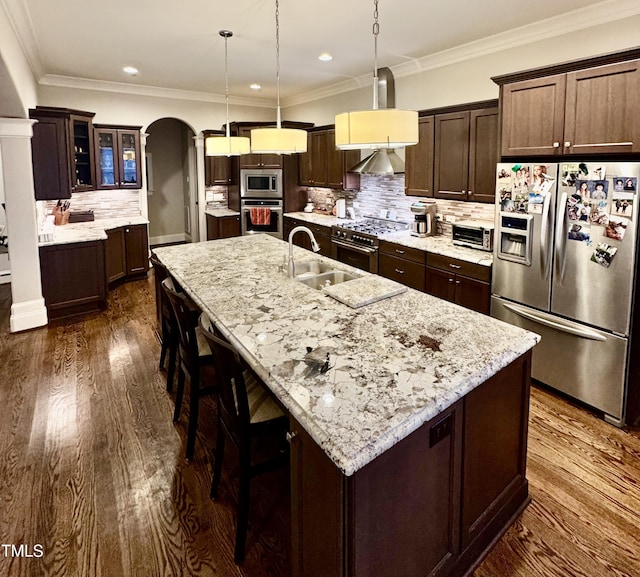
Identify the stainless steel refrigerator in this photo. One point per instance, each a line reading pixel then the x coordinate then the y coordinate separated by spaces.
pixel 564 267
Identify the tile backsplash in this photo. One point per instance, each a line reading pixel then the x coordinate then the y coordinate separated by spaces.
pixel 216 196
pixel 387 192
pixel 103 203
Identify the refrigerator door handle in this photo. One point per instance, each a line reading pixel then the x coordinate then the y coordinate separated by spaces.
pixel 561 236
pixel 544 240
pixel 554 323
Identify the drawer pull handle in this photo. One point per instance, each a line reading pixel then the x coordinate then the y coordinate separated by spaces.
pixel 399 271
pixel 450 280
pixel 455 265
pixel 399 251
pixel 290 436
pixel 457 282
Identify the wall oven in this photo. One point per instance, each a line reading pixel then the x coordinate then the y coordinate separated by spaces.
pixel 261 215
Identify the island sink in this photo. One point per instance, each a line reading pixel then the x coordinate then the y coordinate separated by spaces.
pixel 310 267
pixel 330 278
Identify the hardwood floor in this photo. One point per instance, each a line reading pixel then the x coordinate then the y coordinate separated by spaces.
pixel 93 470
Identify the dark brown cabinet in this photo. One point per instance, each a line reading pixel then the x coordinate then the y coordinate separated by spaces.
pixel 258 160
pixel 465 154
pixel 418 174
pixel 585 111
pixel 62 152
pixel 321 233
pixel 117 154
pixel 464 283
pixel 127 252
pixel 73 278
pixel 447 509
pixel 222 226
pixel 216 168
pixel 325 166
pixel 403 264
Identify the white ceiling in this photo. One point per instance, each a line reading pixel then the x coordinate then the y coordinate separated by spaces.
pixel 176 45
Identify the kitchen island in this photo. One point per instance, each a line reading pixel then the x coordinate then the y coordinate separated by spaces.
pixel 409 417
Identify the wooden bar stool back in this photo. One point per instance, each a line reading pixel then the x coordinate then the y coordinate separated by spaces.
pixel 246 412
pixel 195 360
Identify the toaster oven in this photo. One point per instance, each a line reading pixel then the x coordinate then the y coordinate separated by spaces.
pixel 474 234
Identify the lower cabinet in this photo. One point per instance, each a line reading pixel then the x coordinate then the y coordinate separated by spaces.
pixel 321 233
pixel 426 506
pixel 127 252
pixel 222 226
pixel 464 283
pixel 402 264
pixel 73 278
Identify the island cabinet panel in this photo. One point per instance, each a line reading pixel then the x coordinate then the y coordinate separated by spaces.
pixel 73 278
pixel 418 173
pixel 430 505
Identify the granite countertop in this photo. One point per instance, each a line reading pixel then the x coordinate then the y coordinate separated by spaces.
pixel 393 365
pixel 89 231
pixel 221 212
pixel 435 244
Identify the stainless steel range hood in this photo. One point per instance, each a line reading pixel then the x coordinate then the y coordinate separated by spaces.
pixel 384 160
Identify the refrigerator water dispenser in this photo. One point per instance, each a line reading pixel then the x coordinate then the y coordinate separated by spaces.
pixel 515 236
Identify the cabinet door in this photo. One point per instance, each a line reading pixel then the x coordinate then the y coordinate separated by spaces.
pixel 451 170
pixel 472 294
pixel 483 154
pixel 229 226
pixel 216 170
pixel 106 154
pixel 50 158
pixel 81 146
pixel 601 110
pixel 305 175
pixel 418 171
pixel 533 116
pixel 440 284
pixel 137 249
pixel 129 158
pixel 116 255
pixel 212 228
pixel 319 160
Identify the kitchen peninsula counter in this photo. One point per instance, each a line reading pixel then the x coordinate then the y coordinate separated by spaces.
pixel 399 369
pixel 90 231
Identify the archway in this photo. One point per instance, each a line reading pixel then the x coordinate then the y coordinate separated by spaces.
pixel 171 182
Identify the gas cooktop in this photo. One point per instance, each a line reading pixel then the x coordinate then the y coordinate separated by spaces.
pixel 374 226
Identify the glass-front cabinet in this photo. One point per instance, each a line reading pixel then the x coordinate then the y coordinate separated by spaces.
pixel 117 156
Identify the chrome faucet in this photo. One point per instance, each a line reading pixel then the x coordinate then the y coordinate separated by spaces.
pixel 314 245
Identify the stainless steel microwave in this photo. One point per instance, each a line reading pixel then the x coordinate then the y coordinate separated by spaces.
pixel 473 234
pixel 261 183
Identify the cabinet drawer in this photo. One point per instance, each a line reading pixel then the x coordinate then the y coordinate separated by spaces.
pixel 457 266
pixel 409 273
pixel 318 229
pixel 397 250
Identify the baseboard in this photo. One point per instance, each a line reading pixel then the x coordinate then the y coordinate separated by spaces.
pixel 5 277
pixel 28 315
pixel 167 239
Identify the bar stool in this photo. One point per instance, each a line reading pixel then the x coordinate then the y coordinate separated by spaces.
pixel 195 360
pixel 246 412
pixel 168 323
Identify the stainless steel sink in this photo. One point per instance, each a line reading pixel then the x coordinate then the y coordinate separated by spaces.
pixel 310 267
pixel 329 278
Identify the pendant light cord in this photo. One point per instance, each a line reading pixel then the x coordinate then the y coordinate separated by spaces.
pixel 376 31
pixel 226 34
pixel 279 122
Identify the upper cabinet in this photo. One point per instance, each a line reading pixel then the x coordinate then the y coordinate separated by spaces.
pixel 585 109
pixel 418 172
pixel 62 152
pixel 258 160
pixel 451 164
pixel 323 165
pixel 216 168
pixel 117 153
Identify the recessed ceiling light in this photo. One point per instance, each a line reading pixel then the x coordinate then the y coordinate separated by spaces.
pixel 130 70
pixel 255 86
pixel 325 57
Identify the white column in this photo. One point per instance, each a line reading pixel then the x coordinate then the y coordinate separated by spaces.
pixel 202 200
pixel 144 203
pixel 27 309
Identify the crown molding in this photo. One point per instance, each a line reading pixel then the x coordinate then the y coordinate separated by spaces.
pixel 144 90
pixel 20 21
pixel 582 18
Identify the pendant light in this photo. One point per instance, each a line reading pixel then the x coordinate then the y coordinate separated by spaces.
pixel 278 140
pixel 377 128
pixel 226 145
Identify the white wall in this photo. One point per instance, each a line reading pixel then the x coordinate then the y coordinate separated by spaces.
pixel 17 83
pixel 470 80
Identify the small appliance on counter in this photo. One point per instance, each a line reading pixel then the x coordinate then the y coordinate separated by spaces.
pixel 473 234
pixel 341 208
pixel 425 219
pixel 309 206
